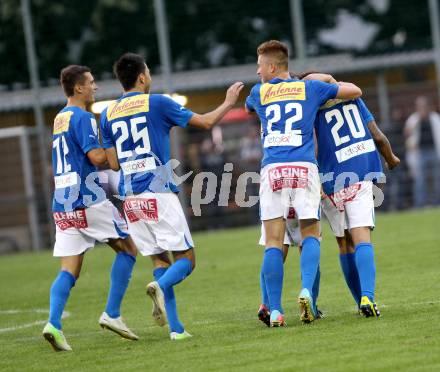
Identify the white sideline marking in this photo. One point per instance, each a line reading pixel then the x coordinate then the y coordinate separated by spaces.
pixel 27 325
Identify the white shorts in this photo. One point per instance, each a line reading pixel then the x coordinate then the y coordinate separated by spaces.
pixel 292 235
pixel 156 223
pixel 80 229
pixel 285 185
pixel 350 207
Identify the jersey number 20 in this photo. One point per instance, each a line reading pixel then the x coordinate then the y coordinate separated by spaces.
pixel 356 126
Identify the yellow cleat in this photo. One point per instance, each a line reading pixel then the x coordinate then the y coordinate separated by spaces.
pixel 369 308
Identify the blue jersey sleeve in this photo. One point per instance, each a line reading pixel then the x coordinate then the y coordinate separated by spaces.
pixel 107 140
pixel 250 104
pixel 251 98
pixel 86 133
pixel 325 91
pixel 367 116
pixel 173 113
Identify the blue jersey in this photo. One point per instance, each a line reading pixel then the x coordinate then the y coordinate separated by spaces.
pixel 138 126
pixel 76 186
pixel 345 144
pixel 287 111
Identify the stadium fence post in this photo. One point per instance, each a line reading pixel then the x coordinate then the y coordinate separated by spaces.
pixel 28 176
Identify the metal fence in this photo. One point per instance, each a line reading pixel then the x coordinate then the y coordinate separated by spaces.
pixel 22 219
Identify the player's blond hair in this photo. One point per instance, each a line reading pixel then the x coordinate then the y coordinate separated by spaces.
pixel 276 50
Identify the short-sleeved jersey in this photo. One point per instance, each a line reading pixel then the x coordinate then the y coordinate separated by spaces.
pixel 287 111
pixel 76 186
pixel 345 144
pixel 138 126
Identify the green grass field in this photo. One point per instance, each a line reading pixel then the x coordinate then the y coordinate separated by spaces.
pixel 218 305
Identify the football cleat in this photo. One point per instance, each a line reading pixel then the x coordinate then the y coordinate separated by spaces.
pixel 158 312
pixel 117 325
pixel 307 311
pixel 277 319
pixel 264 314
pixel 179 336
pixel 369 308
pixel 56 338
pixel 319 314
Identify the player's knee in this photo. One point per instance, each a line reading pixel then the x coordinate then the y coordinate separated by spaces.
pixel 274 241
pixel 130 247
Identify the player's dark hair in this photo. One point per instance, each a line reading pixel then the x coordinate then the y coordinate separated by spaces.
pixel 302 75
pixel 127 69
pixel 72 75
pixel 277 50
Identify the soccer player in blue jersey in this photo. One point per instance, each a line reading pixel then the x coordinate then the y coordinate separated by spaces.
pixel 81 212
pixel 289 176
pixel 135 131
pixel 349 162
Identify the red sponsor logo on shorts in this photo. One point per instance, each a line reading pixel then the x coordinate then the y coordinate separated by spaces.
pixel 76 219
pixel 288 177
pixel 141 209
pixel 344 196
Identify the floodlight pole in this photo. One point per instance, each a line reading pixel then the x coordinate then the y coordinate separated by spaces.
pixel 38 111
pixel 165 62
pixel 435 35
pixel 297 22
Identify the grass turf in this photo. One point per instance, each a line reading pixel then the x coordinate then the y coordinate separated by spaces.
pixel 218 305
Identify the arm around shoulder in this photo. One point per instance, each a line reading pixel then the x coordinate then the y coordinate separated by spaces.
pixel 348 91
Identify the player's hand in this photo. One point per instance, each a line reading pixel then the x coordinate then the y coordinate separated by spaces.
pixel 233 93
pixel 393 162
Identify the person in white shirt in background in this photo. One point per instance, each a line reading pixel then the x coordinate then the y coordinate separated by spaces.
pixel 422 132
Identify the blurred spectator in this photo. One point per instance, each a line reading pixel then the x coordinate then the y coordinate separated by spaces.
pixel 250 155
pixel 212 159
pixel 397 180
pixel 251 152
pixel 422 132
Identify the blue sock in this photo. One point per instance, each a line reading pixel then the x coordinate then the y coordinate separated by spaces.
pixel 119 278
pixel 178 271
pixel 273 271
pixel 315 289
pixel 351 275
pixel 364 257
pixel 170 303
pixel 264 297
pixel 59 293
pixel 309 261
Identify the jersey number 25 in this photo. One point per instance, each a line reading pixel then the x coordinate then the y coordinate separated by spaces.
pixel 137 135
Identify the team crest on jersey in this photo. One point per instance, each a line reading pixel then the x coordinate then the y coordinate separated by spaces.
pixel 343 196
pixel 270 93
pixel 75 219
pixel 129 106
pixel 61 122
pixel 141 209
pixel 288 177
